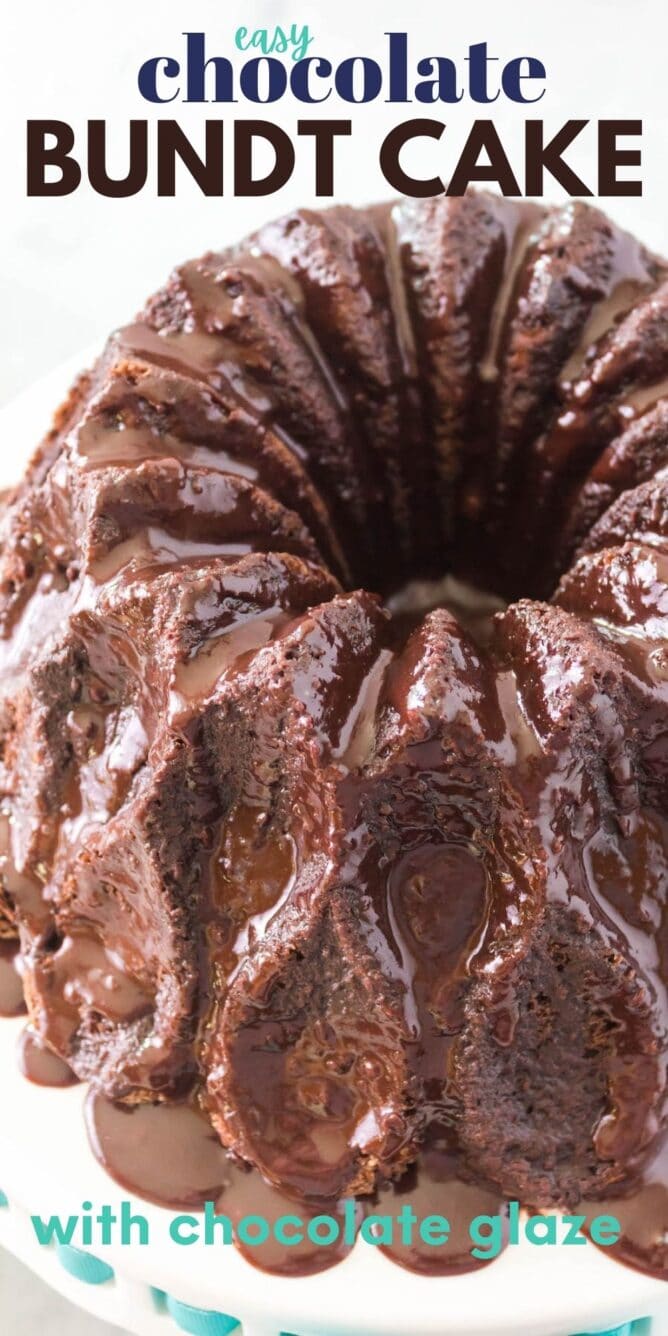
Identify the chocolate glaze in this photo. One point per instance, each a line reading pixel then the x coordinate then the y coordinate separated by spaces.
pixel 168 1153
pixel 171 1155
pixel 40 1064
pixel 433 1186
pixel 362 891
pixel 11 987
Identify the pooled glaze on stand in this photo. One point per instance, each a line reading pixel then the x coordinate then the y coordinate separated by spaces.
pixel 40 1064
pixel 11 988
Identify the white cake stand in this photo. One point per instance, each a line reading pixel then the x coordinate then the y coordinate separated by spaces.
pixel 46 1168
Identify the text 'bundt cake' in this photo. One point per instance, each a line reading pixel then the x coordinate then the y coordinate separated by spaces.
pixel 366 887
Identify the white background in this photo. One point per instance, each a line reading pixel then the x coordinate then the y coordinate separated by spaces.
pixel 71 268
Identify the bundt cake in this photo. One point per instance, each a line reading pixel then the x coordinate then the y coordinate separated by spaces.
pixel 365 884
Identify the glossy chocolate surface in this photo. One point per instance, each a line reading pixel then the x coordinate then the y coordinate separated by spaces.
pixel 355 894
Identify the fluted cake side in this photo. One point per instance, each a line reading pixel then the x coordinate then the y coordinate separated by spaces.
pixel 365 887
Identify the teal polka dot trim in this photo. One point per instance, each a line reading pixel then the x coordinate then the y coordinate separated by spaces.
pixel 627 1329
pixel 83 1266
pixel 201 1321
pixel 3 1199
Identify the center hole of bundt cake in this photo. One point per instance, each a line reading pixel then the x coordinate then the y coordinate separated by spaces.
pixel 474 608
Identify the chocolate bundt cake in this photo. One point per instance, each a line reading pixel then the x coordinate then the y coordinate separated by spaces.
pixel 358 881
